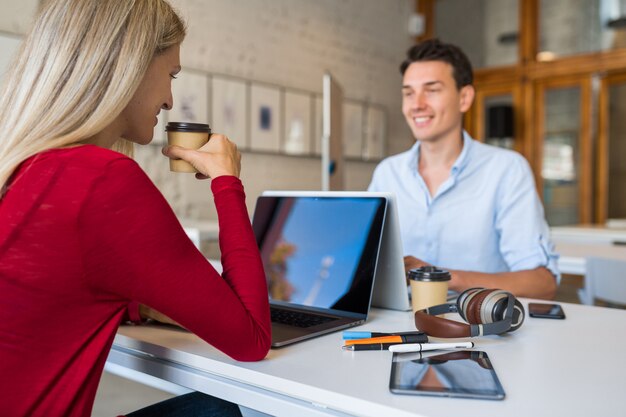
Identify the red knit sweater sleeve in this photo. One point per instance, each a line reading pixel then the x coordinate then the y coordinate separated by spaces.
pixel 134 248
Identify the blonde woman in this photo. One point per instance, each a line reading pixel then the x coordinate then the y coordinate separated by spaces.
pixel 85 237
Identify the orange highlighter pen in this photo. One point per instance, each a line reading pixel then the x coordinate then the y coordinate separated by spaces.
pixel 409 338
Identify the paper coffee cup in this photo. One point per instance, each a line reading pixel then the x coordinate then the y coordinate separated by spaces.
pixel 429 286
pixel 189 136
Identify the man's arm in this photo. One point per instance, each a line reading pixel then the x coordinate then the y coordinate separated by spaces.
pixel 531 283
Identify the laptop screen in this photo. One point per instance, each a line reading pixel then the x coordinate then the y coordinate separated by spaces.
pixel 320 252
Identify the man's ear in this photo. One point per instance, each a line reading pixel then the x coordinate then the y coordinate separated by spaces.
pixel 466 97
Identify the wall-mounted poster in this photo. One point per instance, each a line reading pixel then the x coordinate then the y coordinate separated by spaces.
pixel 352 129
pixel 297 140
pixel 265 118
pixel 375 133
pixel 191 98
pixel 229 110
pixel 317 126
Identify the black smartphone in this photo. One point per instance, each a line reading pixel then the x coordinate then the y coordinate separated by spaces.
pixel 545 311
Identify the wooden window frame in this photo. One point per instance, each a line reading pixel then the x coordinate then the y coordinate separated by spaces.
pixel 527 80
pixel 602 148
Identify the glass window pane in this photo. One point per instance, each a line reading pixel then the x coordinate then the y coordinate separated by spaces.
pixel 617 152
pixel 570 27
pixel 486 30
pixel 561 156
pixel 499 121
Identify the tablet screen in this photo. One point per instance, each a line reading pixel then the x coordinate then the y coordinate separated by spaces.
pixel 465 374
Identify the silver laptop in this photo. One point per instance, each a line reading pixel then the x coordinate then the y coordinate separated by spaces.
pixel 320 252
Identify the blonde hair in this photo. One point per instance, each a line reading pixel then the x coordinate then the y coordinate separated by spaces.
pixel 76 71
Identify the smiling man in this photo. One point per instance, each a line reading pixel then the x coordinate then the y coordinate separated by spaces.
pixel 464 206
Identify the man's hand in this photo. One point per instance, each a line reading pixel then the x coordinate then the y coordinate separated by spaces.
pixel 411 262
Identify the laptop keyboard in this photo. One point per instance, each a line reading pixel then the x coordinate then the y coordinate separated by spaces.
pixel 298 318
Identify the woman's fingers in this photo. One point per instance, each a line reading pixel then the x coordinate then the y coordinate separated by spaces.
pixel 219 156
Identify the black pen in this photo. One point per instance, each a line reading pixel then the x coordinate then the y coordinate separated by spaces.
pixel 371 346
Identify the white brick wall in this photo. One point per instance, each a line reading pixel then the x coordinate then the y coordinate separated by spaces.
pixel 17 15
pixel 289 43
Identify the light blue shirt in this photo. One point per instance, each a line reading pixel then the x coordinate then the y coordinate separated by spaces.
pixel 486 217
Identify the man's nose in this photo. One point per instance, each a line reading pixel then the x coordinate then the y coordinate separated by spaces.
pixel 420 100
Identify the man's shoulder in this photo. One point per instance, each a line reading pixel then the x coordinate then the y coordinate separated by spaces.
pixel 498 165
pixel 491 150
pixel 398 160
pixel 390 169
pixel 485 153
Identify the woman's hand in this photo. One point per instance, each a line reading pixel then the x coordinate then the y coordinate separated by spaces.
pixel 219 156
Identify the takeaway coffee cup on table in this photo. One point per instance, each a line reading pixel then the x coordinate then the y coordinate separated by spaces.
pixel 189 136
pixel 429 286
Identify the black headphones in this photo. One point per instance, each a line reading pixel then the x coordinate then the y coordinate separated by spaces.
pixel 489 311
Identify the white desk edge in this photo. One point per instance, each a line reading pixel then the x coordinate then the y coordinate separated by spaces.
pixel 548 364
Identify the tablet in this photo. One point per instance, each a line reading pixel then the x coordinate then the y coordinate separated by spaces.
pixel 462 374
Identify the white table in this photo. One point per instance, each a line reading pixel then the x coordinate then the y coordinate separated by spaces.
pixel 576 243
pixel 572 367
pixel 573 255
pixel 588 234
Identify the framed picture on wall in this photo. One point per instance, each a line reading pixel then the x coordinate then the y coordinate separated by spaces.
pixel 229 109
pixel 297 126
pixel 375 133
pixel 265 120
pixel 352 120
pixel 317 125
pixel 191 98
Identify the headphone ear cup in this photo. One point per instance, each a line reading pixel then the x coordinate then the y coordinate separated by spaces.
pixel 518 316
pixel 494 307
pixel 463 299
pixel 497 305
pixel 473 309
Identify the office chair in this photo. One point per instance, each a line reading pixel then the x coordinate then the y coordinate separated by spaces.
pixel 605 279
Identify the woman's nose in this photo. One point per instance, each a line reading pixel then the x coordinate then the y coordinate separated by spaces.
pixel 169 104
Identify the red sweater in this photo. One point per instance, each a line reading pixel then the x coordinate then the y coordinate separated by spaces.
pixel 84 236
